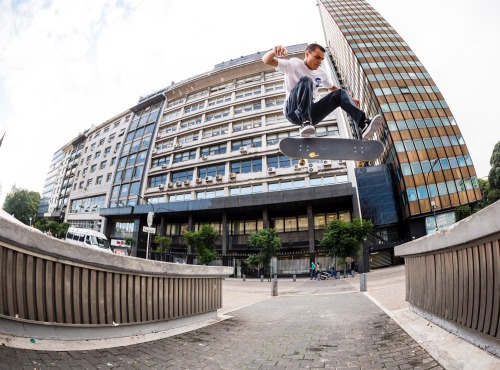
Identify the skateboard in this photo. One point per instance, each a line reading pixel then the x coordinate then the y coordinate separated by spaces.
pixel 331 148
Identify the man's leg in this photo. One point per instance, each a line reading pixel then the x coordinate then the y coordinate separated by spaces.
pixel 298 105
pixel 333 100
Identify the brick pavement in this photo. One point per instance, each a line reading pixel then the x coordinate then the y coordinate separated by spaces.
pixel 310 324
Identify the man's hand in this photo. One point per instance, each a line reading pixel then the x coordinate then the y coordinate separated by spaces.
pixel 356 101
pixel 280 51
pixel 270 56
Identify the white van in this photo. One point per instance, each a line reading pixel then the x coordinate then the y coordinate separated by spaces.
pixel 88 238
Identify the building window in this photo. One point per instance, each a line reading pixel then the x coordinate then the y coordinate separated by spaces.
pixel 184 156
pixel 157 162
pixel 253 142
pixel 273 139
pixel 249 107
pixel 182 175
pixel 211 171
pixel 281 161
pixel 217 115
pixel 215 131
pixel 246 93
pixel 247 166
pixel 157 180
pixel 214 150
pixel 219 100
pixel 247 124
pixel 244 190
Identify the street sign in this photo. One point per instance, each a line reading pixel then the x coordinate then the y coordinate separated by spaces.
pixel 150 218
pixel 149 230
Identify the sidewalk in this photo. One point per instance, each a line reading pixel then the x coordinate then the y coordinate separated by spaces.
pixel 310 324
pixel 386 288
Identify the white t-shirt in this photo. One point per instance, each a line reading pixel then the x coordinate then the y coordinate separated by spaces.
pixel 294 69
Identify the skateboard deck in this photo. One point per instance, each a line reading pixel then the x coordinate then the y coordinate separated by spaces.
pixel 331 148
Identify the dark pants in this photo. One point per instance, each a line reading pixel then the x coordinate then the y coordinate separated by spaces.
pixel 300 105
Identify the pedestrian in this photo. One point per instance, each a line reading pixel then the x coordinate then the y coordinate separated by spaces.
pixel 353 267
pixel 317 271
pixel 302 80
pixel 313 269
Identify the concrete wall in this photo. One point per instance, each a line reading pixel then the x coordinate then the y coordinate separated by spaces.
pixel 53 289
pixel 453 277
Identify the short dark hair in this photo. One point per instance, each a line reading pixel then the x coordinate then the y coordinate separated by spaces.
pixel 311 47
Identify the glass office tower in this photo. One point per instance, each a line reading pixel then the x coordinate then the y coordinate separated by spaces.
pixel 432 168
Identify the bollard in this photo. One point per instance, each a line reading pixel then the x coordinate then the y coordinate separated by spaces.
pixel 338 274
pixel 274 288
pixel 294 278
pixel 362 282
pixel 261 277
pixel 352 273
pixel 275 276
pixel 244 277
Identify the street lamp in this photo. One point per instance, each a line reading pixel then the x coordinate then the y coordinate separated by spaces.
pixel 433 203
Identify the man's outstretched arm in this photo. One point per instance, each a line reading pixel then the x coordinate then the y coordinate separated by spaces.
pixel 270 56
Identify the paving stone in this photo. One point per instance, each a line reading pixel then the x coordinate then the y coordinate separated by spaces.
pixel 305 328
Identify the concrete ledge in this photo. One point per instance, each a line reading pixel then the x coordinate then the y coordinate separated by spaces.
pixel 480 225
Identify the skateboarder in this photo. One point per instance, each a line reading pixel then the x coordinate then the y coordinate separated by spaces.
pixel 302 80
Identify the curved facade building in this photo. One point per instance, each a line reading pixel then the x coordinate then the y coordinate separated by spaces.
pixel 433 170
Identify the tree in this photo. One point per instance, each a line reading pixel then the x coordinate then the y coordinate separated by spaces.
pixel 462 212
pixel 164 243
pixel 203 242
pixel 343 239
pixel 268 242
pixel 22 204
pixel 494 175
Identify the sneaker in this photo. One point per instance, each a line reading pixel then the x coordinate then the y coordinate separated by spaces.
pixel 307 129
pixel 371 126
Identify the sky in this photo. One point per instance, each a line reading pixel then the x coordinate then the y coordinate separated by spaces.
pixel 65 65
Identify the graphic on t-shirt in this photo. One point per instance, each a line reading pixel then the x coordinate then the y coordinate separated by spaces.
pixel 318 81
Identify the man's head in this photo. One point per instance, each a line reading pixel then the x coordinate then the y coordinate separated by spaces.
pixel 315 54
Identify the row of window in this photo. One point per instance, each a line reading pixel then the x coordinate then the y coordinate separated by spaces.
pixel 428 143
pixel 223 87
pixel 439 189
pixel 387 64
pixel 250 124
pixel 372 36
pixel 415 168
pixel 378 44
pixel 360 29
pixel 246 227
pixel 225 112
pixel 398 76
pixel 90 182
pixel 89 204
pixel 124 190
pixel 107 128
pixel 243 166
pixel 385 53
pixel 421 123
pixel 238 95
pixel 413 105
pixel 398 90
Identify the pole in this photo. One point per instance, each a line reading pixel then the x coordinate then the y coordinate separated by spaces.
pixel 147 247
